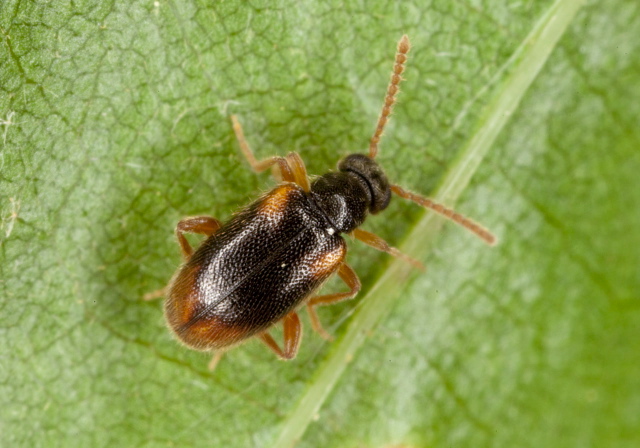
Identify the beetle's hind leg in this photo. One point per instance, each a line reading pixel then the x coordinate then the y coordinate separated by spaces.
pixel 217 356
pixel 292 335
pixel 349 276
pixel 291 167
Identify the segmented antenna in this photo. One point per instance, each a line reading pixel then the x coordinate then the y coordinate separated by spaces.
pixel 454 216
pixel 392 90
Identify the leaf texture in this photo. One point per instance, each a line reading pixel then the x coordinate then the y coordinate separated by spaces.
pixel 114 124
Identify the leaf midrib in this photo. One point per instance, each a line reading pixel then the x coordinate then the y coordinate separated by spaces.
pixel 522 68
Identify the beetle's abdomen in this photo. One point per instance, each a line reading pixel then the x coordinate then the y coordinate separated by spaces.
pixel 256 269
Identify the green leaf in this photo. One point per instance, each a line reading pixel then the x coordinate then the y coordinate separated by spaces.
pixel 114 125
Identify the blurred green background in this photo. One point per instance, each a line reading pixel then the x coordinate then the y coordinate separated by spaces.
pixel 114 124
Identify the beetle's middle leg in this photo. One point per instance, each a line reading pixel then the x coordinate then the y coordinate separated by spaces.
pixel 292 335
pixel 349 276
pixel 291 167
pixel 204 225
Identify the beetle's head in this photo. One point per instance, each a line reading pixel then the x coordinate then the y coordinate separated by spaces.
pixel 372 173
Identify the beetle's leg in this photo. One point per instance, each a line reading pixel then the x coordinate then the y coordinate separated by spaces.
pixel 349 276
pixel 259 165
pixel 199 224
pixel 158 293
pixel 373 240
pixel 291 167
pixel 204 225
pixel 299 171
pixel 215 360
pixel 292 335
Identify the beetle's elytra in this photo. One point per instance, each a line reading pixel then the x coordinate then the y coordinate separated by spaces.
pixel 262 265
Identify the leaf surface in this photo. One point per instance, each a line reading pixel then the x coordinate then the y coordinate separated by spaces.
pixel 114 125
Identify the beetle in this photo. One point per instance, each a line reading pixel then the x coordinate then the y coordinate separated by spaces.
pixel 260 267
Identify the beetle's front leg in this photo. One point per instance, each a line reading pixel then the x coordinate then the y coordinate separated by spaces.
pixel 291 167
pixel 373 240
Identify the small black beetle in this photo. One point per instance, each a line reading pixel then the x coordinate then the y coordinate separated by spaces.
pixel 260 267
